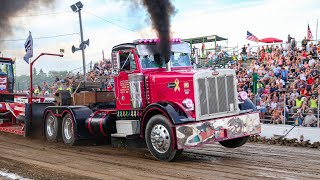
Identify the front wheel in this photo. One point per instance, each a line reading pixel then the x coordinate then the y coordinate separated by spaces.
pixel 68 130
pixel 160 140
pixel 234 143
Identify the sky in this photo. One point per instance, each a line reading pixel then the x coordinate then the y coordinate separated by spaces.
pixel 110 22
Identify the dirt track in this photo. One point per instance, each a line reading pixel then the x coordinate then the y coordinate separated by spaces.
pixel 41 160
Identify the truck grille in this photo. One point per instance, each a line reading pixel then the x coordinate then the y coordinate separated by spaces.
pixel 216 95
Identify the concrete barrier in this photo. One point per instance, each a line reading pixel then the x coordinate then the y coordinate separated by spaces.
pixel 300 133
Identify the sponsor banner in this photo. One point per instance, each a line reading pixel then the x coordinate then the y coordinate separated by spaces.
pixel 3 83
pixel 22 99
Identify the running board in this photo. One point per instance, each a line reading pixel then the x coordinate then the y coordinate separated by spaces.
pixel 125 140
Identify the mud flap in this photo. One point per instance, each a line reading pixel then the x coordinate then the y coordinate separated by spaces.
pixel 34 120
pixel 27 121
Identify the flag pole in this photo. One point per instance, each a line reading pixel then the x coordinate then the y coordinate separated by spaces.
pixel 317 32
pixel 31 86
pixel 15 73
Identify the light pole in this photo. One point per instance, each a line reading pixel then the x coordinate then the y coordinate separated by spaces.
pixel 77 7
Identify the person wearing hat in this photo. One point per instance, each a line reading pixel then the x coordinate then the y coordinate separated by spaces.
pixel 310 120
pixel 298 118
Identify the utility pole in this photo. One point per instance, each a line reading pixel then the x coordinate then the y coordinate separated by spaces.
pixel 77 7
pixel 82 49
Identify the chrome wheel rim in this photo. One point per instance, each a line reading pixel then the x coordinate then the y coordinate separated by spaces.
pixel 160 138
pixel 50 126
pixel 67 129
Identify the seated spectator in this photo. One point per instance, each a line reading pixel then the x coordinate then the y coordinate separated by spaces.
pixel 305 104
pixel 273 88
pixel 310 81
pixel 280 82
pixel 293 97
pixel 315 85
pixel 303 91
pixel 310 120
pixel 298 118
pixel 298 104
pixel 277 116
pixel 313 104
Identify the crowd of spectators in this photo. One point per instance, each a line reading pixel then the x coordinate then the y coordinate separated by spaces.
pixel 99 72
pixel 288 83
pixel 288 80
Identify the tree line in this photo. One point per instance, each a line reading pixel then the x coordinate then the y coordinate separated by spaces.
pixel 22 81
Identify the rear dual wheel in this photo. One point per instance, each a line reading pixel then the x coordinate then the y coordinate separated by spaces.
pixel 52 128
pixel 68 130
pixel 55 129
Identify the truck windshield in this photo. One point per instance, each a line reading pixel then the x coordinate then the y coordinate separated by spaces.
pixel 5 68
pixel 150 58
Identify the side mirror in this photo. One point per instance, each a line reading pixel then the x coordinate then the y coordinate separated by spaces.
pixel 115 58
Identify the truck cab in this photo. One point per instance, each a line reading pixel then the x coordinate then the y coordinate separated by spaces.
pixel 6 75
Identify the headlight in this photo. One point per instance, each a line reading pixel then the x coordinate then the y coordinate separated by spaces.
pixel 188 104
pixel 242 96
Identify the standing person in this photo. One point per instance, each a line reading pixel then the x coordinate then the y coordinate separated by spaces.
pixel 289 38
pixel 293 44
pixel 244 52
pixel 248 50
pixel 45 88
pixel 244 49
pixel 304 43
pixel 263 106
pixel 284 74
pixel 36 91
pixel 202 49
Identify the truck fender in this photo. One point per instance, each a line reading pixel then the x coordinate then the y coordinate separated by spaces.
pixel 173 111
pixel 79 115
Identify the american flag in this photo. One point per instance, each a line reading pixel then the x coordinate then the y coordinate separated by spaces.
pixel 309 33
pixel 252 37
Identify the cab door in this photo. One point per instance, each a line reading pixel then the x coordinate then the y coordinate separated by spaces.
pixel 127 65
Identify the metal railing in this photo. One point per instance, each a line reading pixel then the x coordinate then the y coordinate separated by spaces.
pixel 286 121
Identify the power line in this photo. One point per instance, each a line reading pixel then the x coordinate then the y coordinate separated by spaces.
pixel 43 37
pixel 34 15
pixel 110 22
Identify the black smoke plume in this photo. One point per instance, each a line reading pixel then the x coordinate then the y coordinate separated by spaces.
pixel 160 12
pixel 11 8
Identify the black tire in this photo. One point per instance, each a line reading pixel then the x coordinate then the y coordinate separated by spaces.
pixel 53 134
pixel 234 143
pixel 68 130
pixel 170 154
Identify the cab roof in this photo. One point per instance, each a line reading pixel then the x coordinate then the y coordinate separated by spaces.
pixel 5 59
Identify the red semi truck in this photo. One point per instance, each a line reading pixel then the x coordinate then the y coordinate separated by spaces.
pixel 169 107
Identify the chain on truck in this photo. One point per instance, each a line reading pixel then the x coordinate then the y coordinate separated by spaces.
pixel 165 107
